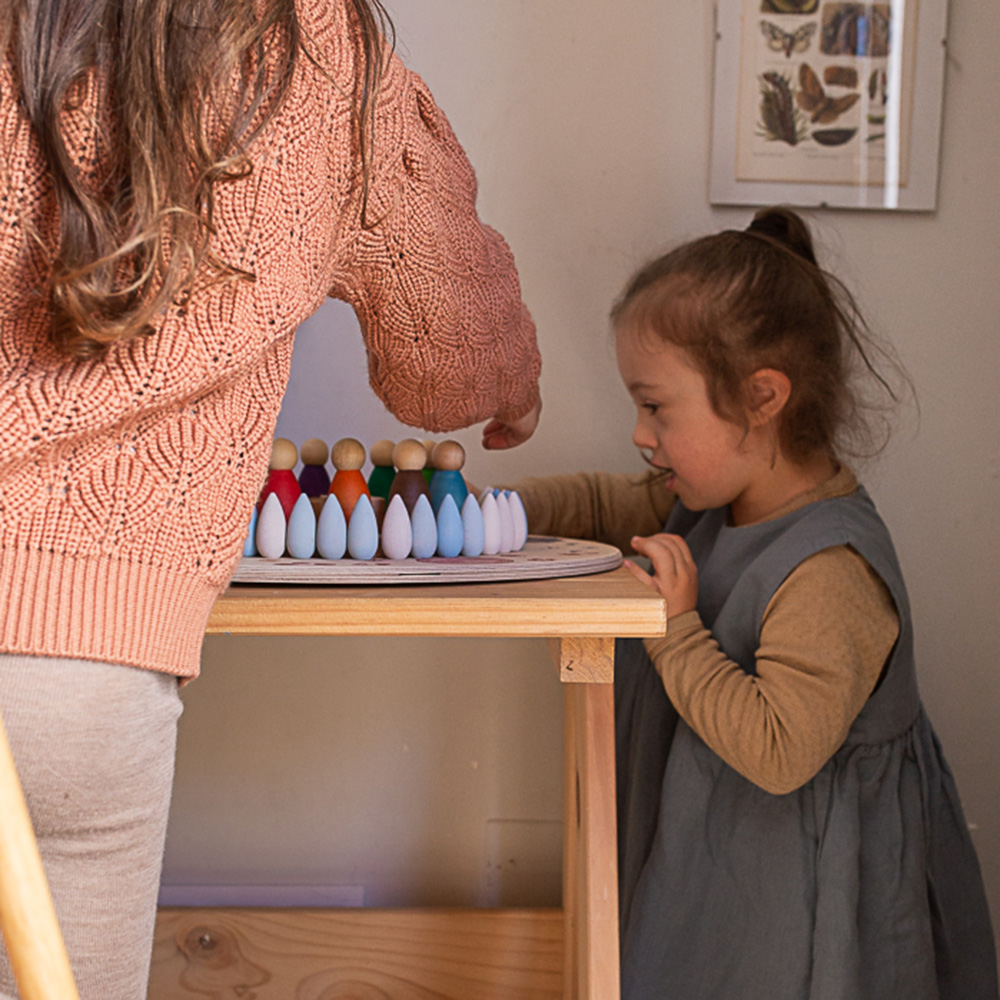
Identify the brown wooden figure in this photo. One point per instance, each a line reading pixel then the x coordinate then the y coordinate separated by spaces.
pixel 348 483
pixel 280 477
pixel 409 457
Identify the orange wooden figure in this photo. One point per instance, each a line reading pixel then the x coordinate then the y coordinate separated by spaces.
pixel 348 483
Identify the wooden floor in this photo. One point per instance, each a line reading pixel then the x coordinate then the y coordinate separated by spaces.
pixel 358 954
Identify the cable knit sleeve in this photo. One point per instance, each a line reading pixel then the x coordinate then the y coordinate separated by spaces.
pixel 449 341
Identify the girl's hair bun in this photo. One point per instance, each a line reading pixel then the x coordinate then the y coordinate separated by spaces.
pixel 785 227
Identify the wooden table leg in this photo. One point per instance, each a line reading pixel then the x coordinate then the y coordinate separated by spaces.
pixel 590 875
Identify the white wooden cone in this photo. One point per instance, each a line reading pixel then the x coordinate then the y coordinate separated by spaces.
pixel 425 529
pixel 301 541
pixel 331 530
pixel 491 524
pixel 362 530
pixel 520 517
pixel 472 527
pixel 397 531
pixel 506 523
pixel 271 529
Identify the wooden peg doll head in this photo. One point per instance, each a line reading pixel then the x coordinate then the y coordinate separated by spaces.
pixel 449 456
pixel 313 452
pixel 409 455
pixel 348 454
pixel 381 452
pixel 284 455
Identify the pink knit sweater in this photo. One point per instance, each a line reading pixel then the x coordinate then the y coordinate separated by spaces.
pixel 126 483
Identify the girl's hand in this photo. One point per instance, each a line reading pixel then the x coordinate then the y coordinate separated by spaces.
pixel 674 575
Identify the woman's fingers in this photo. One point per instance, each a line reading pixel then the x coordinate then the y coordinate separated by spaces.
pixel 498 434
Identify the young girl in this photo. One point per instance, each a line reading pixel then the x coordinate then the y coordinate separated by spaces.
pixel 788 827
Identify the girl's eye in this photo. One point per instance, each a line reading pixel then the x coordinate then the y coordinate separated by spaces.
pixel 651 408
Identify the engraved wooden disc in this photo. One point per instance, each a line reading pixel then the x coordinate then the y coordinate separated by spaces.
pixel 541 558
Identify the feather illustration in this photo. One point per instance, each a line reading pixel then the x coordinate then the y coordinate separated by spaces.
pixel 780 120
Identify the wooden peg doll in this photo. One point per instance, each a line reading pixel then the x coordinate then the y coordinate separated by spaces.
pixel 348 484
pixel 383 471
pixel 448 459
pixel 280 478
pixel 314 479
pixel 409 457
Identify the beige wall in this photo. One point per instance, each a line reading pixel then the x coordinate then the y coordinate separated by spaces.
pixel 429 772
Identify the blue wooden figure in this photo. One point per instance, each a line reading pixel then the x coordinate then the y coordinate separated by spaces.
pixel 448 459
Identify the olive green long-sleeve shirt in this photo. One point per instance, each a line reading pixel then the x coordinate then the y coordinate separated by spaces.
pixel 825 635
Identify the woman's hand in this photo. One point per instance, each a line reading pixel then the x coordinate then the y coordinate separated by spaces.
pixel 674 575
pixel 499 434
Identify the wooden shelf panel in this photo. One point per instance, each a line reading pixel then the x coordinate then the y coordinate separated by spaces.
pixel 402 954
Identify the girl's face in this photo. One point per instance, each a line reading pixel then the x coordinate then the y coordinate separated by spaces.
pixel 711 462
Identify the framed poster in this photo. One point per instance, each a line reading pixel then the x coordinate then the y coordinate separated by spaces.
pixel 828 103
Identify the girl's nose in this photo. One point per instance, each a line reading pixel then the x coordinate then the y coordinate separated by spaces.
pixel 642 436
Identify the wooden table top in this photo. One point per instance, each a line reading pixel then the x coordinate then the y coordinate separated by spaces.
pixel 608 604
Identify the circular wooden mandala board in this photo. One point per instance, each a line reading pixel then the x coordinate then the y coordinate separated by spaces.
pixel 541 558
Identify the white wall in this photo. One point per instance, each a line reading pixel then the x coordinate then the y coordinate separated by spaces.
pixel 418 771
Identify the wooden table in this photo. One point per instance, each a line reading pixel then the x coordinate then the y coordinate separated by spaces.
pixel 581 617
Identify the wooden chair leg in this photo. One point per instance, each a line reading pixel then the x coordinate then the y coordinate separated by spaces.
pixel 28 918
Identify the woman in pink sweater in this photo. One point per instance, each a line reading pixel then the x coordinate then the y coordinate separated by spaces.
pixel 182 183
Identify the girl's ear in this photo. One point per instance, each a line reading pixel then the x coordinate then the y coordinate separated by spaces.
pixel 767 391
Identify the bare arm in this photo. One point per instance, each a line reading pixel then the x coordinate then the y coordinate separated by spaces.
pixel 606 507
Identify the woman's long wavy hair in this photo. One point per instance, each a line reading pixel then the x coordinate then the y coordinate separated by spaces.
pixel 185 86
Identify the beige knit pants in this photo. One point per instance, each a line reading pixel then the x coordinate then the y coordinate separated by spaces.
pixel 94 746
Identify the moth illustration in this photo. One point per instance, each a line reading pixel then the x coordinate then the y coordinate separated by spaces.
pixel 779 40
pixel 814 100
pixel 789 6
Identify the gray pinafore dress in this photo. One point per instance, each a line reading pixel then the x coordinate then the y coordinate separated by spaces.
pixel 862 884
